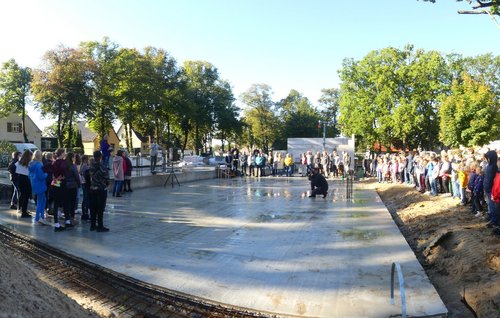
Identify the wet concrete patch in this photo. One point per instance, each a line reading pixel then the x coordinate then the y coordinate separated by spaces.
pixel 360 235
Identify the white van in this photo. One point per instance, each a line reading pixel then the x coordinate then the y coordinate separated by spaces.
pixel 21 147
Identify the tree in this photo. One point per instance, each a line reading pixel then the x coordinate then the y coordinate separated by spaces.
pixel 61 90
pixel 470 115
pixel 297 118
pixel 15 85
pixel 259 115
pixel 490 7
pixel 330 100
pixel 391 97
pixel 100 58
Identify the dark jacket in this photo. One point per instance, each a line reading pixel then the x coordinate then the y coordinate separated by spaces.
pixel 128 169
pixel 12 170
pixel 98 176
pixel 72 178
pixel 478 186
pixel 472 179
pixel 491 170
pixel 318 181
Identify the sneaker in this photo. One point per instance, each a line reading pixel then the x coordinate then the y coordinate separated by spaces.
pixel 39 223
pixel 13 207
pixel 59 229
pixel 31 201
pixel 490 225
pixel 478 214
pixel 102 229
pixel 25 215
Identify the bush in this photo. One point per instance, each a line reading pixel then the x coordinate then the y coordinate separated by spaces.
pixel 6 150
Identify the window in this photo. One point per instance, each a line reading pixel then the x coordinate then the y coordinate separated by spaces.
pixel 15 127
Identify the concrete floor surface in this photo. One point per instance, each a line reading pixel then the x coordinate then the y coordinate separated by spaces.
pixel 256 243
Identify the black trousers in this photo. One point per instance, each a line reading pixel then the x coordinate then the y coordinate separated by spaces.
pixel 25 192
pixel 59 195
pixel 318 190
pixel 97 205
pixel 70 202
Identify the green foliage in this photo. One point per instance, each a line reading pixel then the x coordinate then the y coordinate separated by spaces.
pixel 390 96
pixel 15 84
pixel 78 150
pixel 259 116
pixel 491 7
pixel 470 115
pixel 7 147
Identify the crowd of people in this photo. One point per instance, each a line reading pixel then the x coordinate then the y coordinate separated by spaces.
pixel 258 163
pixel 57 182
pixel 471 178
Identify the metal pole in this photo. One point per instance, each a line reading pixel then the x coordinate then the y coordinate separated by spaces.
pixel 324 135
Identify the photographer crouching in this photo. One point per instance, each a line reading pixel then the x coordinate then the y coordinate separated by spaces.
pixel 319 185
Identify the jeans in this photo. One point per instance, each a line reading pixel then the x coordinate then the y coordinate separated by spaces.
pixel 491 208
pixel 153 162
pixel 456 188
pixel 118 186
pixel 380 176
pixel 41 201
pixel 433 186
pixel 289 171
pixel 463 195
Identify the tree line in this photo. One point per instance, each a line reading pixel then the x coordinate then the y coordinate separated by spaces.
pixel 402 97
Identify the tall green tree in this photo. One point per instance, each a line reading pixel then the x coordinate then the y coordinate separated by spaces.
pixel 61 90
pixel 15 85
pixel 391 97
pixel 330 100
pixel 100 58
pixel 259 115
pixel 470 116
pixel 200 78
pixel 297 118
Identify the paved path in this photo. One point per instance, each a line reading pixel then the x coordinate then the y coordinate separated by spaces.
pixel 260 244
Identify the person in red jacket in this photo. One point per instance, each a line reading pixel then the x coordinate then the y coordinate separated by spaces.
pixel 495 198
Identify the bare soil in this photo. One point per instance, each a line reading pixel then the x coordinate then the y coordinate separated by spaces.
pixel 460 255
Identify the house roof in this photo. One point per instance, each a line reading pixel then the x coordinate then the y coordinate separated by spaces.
pixel 140 136
pixel 88 135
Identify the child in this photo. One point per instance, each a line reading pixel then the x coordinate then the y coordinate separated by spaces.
pixel 478 192
pixel 434 176
pixel 463 178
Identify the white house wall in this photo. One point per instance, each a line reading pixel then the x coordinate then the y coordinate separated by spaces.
pixel 33 132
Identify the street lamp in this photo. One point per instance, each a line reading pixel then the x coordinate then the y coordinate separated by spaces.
pixel 324 123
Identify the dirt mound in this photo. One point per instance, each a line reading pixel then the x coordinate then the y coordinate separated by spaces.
pixel 25 294
pixel 460 255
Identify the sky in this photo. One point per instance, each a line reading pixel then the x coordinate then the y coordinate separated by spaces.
pixel 287 44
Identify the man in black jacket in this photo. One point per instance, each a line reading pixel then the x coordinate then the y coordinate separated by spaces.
pixel 319 185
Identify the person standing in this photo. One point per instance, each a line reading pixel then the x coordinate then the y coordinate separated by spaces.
pixel 244 163
pixel 24 182
pixel 489 176
pixel 84 167
pixel 13 180
pixel 106 153
pixel 153 152
pixel 58 188
pixel 288 165
pixel 72 179
pixel 127 172
pixel 99 180
pixel 118 173
pixel 38 180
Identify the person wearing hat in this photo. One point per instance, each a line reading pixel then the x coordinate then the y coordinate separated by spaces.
pixel 319 185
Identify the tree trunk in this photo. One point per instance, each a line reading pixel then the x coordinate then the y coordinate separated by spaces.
pixel 196 138
pixel 70 133
pixel 59 132
pixel 23 119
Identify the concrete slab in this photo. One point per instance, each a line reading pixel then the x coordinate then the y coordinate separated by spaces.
pixel 256 243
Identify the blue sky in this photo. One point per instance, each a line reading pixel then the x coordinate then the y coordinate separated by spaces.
pixel 287 44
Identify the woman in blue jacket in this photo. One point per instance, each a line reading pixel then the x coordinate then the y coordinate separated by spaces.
pixel 38 180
